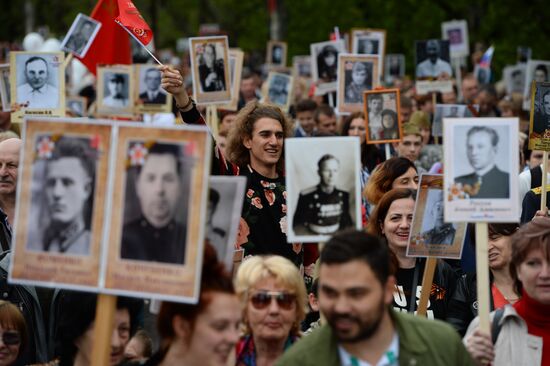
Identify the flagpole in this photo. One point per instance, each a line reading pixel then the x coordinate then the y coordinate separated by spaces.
pixel 134 37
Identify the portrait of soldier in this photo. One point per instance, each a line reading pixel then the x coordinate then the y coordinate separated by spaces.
pixel 541 118
pixel 440 232
pixel 35 90
pixel 375 103
pixel 153 94
pixel 323 209
pixel 117 90
pixel 157 235
pixel 215 235
pixel 78 40
pixel 277 91
pixel 68 191
pixel 433 66
pixel 487 180
pixel 358 80
pixel 277 55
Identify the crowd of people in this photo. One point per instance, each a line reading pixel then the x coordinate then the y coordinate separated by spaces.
pixel 351 301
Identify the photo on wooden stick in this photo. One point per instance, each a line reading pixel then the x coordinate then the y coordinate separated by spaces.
pixel 225 202
pixel 149 94
pixel 433 59
pixel 382 116
pixel 301 66
pixel 356 74
pixel 394 67
pixel 115 86
pixel 450 111
pixel 537 70
pixel 37 84
pixel 236 57
pixel 278 90
pixel 430 235
pixel 276 54
pixel 76 106
pixel 370 42
pixel 210 69
pixel 323 188
pixel 481 159
pixel 514 77
pixel 61 203
pixel 324 64
pixel 456 32
pixel 81 35
pixel 160 186
pixel 5 89
pixel 539 126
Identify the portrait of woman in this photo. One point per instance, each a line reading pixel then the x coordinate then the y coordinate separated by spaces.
pixel 211 69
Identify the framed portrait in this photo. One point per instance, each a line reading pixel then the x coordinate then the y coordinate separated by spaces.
pixel 301 66
pixel 81 35
pixel 115 86
pixel 394 67
pixel 151 97
pixel 225 203
pixel 429 155
pixel 456 32
pixel 430 235
pixel 159 189
pixel 450 111
pixel 483 187
pixel 382 116
pixel 61 203
pixel 514 77
pixel 537 70
pixel 323 188
pixel 356 74
pixel 433 59
pixel 236 58
pixel 276 54
pixel 278 90
pixel 324 64
pixel 523 54
pixel 210 69
pixel 5 90
pixel 370 42
pixel 482 74
pixel 37 84
pixel 76 106
pixel 539 123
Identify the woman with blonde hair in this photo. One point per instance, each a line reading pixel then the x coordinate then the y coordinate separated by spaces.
pixel 274 301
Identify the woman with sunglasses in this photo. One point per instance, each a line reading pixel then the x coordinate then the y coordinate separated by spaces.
pixel 13 335
pixel 524 336
pixel 273 297
pixel 392 220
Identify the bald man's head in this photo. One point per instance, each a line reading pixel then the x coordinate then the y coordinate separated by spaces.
pixel 9 162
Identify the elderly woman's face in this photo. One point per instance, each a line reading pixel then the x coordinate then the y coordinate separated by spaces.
pixel 10 341
pixel 534 274
pixel 271 310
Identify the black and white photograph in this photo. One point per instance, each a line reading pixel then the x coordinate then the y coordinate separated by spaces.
pixel 236 58
pixel 356 74
pixel 225 202
pixel 81 35
pixel 514 77
pixel 114 90
pixel 322 181
pixel 61 201
pixel 523 54
pixel 448 111
pixel 394 67
pixel 539 126
pixel 152 98
pixel 482 74
pixel 382 112
pixel 159 194
pixel 488 174
pixel 456 32
pixel 429 155
pixel 210 69
pixel 370 42
pixel 433 59
pixel 430 234
pixel 5 90
pixel 301 66
pixel 76 106
pixel 276 54
pixel 279 90
pixel 324 64
pixel 37 81
pixel 366 45
pixel 538 71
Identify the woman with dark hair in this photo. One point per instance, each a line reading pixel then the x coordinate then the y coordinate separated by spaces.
pixel 211 70
pixel 390 128
pixel 463 305
pixel 204 333
pixel 524 336
pixel 327 62
pixel 391 220
pixel 13 335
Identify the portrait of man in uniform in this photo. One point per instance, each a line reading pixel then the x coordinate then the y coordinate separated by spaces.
pixel 439 232
pixel 81 35
pixel 151 92
pixel 36 88
pixel 68 187
pixel 323 209
pixel 434 63
pixel 156 235
pixel 487 180
pixel 116 87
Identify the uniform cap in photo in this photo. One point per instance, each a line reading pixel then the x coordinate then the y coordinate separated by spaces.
pixel 410 128
pixel 420 119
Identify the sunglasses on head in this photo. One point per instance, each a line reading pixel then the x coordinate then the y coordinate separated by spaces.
pixel 11 338
pixel 261 300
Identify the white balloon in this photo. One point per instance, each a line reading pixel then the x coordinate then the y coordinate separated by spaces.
pixel 51 45
pixel 32 42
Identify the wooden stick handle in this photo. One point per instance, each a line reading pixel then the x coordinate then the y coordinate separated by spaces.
pixel 543 187
pixel 427 280
pixel 482 273
pixel 103 329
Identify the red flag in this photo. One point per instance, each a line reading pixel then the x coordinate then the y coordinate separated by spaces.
pixel 129 17
pixel 111 45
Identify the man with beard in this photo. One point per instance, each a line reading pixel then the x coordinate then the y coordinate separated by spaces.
pixel 356 285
